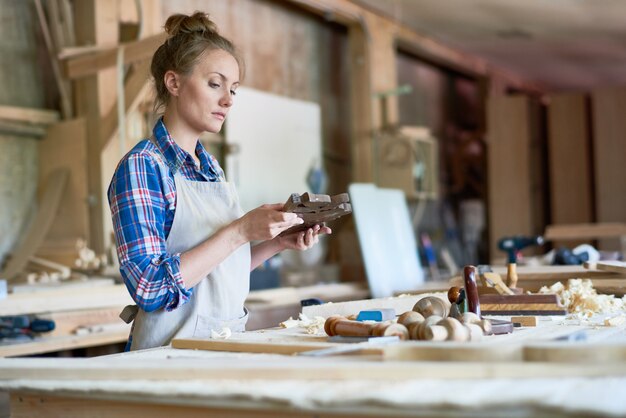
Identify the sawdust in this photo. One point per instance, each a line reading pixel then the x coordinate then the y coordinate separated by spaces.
pixel 311 326
pixel 582 300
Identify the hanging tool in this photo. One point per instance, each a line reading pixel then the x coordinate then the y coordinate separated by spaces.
pixel 512 246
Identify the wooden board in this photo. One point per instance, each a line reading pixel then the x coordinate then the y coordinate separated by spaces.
pixel 585 231
pixel 65 300
pixel 525 304
pixel 612 266
pixel 249 346
pixel 609 149
pixel 268 127
pixel 296 368
pixel 32 116
pixel 65 342
pixel 38 228
pixel 508 141
pixel 569 148
pixel 556 273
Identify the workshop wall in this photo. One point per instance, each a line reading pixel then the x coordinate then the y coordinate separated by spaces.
pixel 291 53
pixel 22 86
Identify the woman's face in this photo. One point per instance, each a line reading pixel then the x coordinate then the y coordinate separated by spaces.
pixel 206 95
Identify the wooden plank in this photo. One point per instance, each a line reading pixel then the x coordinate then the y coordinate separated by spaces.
pixel 249 347
pixel 66 342
pixel 614 266
pixel 65 300
pixel 20 129
pixel 291 368
pixel 67 322
pixel 66 104
pixel 38 228
pixel 97 24
pixel 609 149
pixel 54 406
pixel 28 115
pixel 508 140
pixel 569 153
pixel 555 273
pixel 65 147
pixel 586 231
pixel 85 65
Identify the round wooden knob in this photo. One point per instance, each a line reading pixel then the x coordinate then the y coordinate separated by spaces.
pixel 410 317
pixel 432 305
pixel 454 294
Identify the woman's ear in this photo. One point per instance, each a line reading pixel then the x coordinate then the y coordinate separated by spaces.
pixel 172 82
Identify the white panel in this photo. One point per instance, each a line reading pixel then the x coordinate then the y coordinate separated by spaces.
pixel 387 240
pixel 278 139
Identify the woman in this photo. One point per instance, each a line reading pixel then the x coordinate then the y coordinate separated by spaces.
pixel 182 239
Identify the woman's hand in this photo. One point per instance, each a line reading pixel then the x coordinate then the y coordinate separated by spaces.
pixel 302 240
pixel 266 222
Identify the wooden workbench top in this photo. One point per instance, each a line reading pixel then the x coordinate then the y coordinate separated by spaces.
pixel 167 379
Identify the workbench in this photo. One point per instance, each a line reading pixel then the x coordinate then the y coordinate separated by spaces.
pixel 95 309
pixel 524 374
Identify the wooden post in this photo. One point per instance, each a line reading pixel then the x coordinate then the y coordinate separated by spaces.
pixel 96 24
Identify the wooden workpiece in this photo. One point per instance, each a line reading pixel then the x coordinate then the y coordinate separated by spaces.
pixel 316 209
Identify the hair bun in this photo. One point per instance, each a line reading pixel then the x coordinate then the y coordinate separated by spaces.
pixel 198 22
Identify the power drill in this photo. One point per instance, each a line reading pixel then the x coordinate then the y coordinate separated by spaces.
pixel 23 326
pixel 512 246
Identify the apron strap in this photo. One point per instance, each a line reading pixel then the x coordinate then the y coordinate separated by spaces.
pixel 129 313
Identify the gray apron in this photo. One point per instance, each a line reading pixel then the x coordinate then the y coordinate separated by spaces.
pixel 217 301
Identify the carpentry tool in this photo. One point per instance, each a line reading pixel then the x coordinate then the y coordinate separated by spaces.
pixel 512 246
pixel 503 303
pixel 315 209
pixel 473 301
pixel 23 325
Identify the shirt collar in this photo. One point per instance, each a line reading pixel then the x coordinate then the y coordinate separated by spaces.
pixel 175 156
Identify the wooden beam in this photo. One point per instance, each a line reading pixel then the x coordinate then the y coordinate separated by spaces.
pixel 20 129
pixel 27 115
pixel 66 104
pixel 96 24
pixel 85 65
pixel 135 86
pixel 348 13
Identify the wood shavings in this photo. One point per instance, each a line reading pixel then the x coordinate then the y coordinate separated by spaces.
pixel 615 321
pixel 582 300
pixel 224 334
pixel 312 326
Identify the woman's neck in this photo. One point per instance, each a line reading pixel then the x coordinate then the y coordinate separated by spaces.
pixel 185 137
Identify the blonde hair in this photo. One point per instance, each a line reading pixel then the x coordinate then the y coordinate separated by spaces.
pixel 189 37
